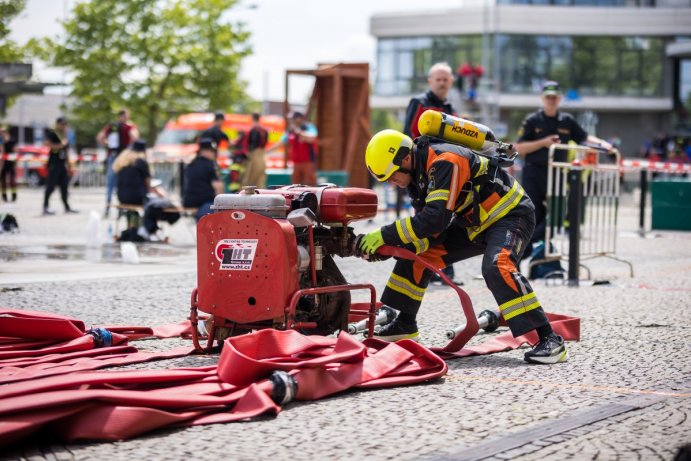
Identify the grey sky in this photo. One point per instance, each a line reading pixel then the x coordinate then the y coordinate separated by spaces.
pixel 285 34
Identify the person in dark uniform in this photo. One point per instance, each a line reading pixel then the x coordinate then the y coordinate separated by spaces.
pixel 452 224
pixel 58 161
pixel 8 173
pixel 201 181
pixel 538 132
pixel 440 80
pixel 214 132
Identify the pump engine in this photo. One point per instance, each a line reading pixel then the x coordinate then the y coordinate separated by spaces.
pixel 265 260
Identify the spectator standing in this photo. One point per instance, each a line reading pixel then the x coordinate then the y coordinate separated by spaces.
pixel 301 143
pixel 2 152
pixel 8 172
pixel 202 182
pixel 439 80
pixel 58 165
pixel 215 131
pixel 461 72
pixel 116 137
pixel 238 164
pixel 255 139
pixel 538 132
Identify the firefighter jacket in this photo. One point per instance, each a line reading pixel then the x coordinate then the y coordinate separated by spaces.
pixel 454 186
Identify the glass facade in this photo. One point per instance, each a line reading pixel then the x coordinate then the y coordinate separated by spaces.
pixel 585 66
pixel 685 83
pixel 402 63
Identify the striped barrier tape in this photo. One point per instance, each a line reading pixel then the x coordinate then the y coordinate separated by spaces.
pixel 223 162
pixel 663 167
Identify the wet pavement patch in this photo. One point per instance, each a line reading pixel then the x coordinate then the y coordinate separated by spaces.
pixel 106 253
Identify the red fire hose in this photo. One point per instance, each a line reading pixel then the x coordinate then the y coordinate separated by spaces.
pixel 256 374
pixel 568 327
pixel 118 405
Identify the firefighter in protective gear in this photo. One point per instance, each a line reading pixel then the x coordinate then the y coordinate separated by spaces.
pixel 465 206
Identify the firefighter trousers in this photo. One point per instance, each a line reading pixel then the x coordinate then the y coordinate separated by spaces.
pixel 501 245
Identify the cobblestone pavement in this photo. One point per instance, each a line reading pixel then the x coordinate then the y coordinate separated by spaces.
pixel 625 393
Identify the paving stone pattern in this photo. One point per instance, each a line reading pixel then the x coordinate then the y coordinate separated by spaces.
pixel 636 338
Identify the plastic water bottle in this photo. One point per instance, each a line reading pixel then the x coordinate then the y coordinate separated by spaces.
pixel 129 253
pixel 109 235
pixel 93 234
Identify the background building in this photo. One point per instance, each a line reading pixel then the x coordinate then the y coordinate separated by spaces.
pixel 624 65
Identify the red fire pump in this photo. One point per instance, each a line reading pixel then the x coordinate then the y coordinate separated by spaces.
pixel 265 260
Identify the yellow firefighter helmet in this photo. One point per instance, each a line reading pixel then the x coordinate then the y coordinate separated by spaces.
pixel 385 153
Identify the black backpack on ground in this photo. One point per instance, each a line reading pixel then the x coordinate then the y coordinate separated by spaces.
pixel 9 223
pixel 545 270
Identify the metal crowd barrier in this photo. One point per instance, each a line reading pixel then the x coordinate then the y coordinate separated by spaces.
pixel 168 173
pixel 582 206
pixel 88 172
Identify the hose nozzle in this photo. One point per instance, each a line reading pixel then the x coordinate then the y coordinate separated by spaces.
pixel 384 315
pixel 488 320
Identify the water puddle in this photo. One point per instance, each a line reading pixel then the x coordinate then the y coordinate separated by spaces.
pixel 106 253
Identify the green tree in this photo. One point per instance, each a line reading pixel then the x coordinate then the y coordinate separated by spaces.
pixel 9 50
pixel 155 58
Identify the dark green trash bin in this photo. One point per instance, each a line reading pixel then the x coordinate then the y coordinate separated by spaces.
pixel 281 177
pixel 338 177
pixel 278 177
pixel 671 204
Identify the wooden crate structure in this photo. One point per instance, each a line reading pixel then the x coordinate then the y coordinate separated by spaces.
pixel 339 106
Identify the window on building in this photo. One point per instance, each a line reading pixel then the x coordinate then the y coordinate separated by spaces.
pixel 592 66
pixel 585 66
pixel 403 63
pixel 685 88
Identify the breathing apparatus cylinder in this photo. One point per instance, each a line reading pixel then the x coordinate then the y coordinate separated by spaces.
pixel 457 130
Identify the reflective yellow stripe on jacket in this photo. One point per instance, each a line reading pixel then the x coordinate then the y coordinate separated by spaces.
pixel 405 231
pixel 421 246
pixel 498 211
pixel 439 194
pixel 407 235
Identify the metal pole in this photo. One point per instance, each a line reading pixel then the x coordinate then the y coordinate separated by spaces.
pixel 644 193
pixel 575 205
pixel 181 170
